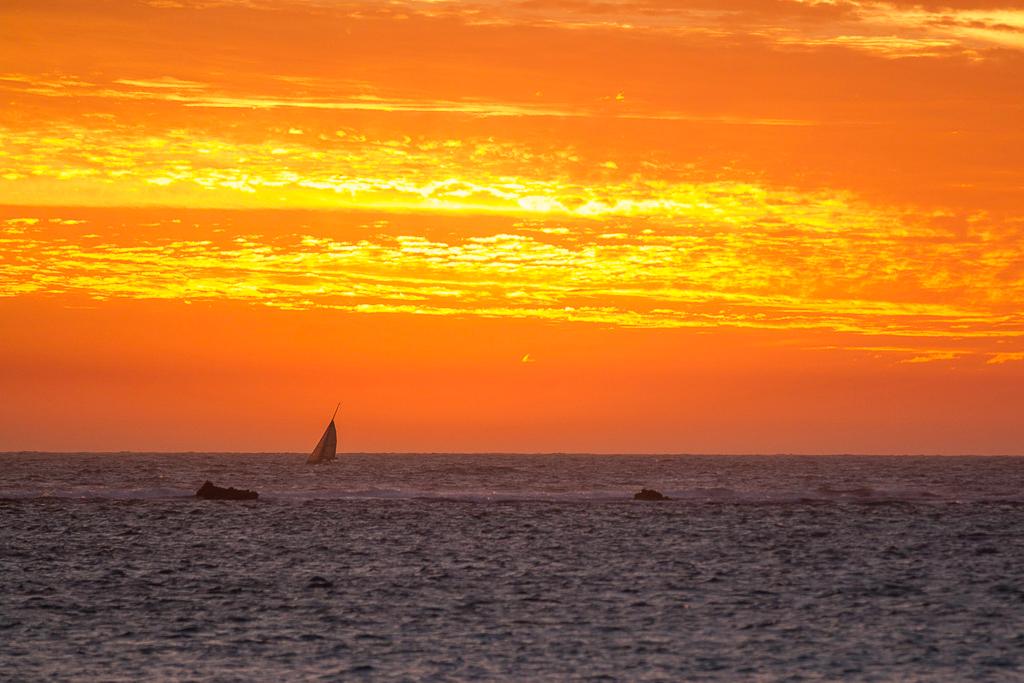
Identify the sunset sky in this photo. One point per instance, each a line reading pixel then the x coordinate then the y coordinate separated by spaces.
pixel 728 226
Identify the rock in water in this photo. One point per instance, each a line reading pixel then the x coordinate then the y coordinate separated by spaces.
pixel 319 582
pixel 650 494
pixel 210 491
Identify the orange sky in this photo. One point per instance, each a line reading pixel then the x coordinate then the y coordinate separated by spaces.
pixel 577 225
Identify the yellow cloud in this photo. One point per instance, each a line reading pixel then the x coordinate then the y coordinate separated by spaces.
pixel 701 272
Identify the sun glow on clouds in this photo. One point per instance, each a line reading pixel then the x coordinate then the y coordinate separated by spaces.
pixel 714 266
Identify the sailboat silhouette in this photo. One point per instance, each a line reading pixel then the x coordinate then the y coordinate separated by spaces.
pixel 327 447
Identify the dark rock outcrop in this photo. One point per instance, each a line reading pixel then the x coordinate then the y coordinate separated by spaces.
pixel 210 491
pixel 319 582
pixel 650 494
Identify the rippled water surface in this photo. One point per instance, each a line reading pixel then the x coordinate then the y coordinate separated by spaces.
pixel 524 568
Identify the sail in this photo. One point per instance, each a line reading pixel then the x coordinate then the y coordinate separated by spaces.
pixel 327 446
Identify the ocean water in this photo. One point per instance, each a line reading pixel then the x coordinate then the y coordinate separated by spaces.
pixel 512 568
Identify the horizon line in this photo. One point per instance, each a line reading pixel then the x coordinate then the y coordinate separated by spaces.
pixel 529 453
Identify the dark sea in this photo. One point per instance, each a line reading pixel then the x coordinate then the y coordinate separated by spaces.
pixel 511 568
